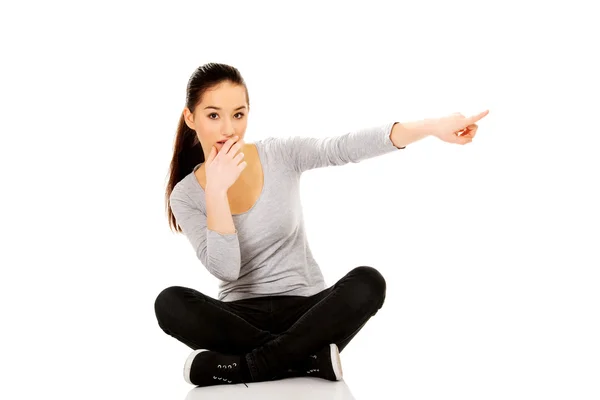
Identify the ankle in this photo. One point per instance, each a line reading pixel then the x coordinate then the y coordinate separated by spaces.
pixel 245 369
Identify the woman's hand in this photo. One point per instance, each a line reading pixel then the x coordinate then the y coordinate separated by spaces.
pixel 455 128
pixel 223 167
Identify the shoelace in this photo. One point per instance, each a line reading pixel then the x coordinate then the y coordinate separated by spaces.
pixel 310 371
pixel 227 370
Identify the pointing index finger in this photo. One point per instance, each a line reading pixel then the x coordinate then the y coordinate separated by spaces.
pixel 477 117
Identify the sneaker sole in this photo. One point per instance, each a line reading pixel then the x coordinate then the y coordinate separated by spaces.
pixel 336 362
pixel 188 365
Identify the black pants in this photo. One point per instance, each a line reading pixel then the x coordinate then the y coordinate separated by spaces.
pixel 273 333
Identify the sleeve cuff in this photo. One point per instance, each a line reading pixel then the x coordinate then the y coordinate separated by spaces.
pixel 211 232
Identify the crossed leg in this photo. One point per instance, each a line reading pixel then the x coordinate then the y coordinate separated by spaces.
pixel 334 315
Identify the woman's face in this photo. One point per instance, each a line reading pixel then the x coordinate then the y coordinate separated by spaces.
pixel 222 114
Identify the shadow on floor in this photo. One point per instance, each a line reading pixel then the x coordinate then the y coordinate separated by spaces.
pixel 288 389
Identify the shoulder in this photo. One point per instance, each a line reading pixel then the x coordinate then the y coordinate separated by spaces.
pixel 181 190
pixel 275 146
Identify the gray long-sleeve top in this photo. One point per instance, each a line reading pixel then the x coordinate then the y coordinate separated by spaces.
pixel 269 253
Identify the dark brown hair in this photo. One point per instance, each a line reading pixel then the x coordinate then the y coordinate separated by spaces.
pixel 187 150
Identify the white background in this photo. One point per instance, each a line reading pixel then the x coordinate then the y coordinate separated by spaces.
pixel 490 250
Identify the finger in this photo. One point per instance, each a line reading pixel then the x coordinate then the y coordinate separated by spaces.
pixel 464 139
pixel 477 117
pixel 236 147
pixel 229 143
pixel 211 155
pixel 469 129
pixel 473 130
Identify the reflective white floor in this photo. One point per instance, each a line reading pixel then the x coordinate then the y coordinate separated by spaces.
pixel 288 389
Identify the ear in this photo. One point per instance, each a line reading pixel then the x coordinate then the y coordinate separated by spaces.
pixel 189 118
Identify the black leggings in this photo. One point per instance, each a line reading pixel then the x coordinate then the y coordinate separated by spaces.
pixel 273 333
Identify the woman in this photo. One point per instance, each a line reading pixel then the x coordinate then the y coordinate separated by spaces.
pixel 238 204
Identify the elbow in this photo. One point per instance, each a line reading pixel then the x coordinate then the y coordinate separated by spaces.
pixel 224 272
pixel 226 277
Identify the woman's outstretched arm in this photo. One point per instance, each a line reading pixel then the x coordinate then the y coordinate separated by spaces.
pixel 454 128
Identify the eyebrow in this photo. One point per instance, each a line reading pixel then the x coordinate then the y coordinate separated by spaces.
pixel 218 108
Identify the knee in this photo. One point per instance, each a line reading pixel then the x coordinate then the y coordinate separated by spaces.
pixel 168 305
pixel 371 285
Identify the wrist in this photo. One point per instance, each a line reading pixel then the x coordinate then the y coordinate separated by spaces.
pixel 405 133
pixel 216 192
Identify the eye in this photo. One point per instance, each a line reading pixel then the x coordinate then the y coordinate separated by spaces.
pixel 240 113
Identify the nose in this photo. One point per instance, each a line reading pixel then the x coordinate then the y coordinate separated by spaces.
pixel 228 127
